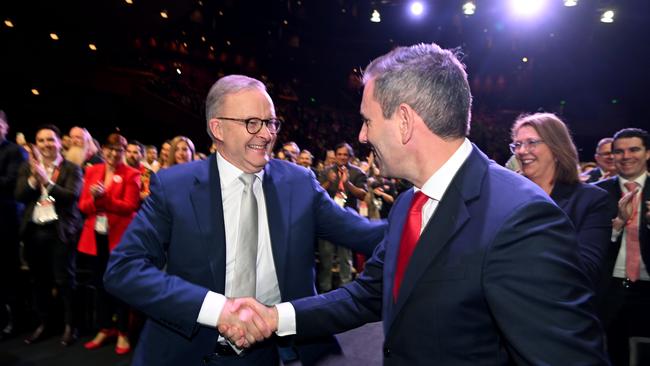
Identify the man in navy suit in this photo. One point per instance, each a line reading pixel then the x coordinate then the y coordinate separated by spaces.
pixel 479 266
pixel 179 260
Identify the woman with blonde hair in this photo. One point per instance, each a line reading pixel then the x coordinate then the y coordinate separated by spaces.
pixel 543 147
pixel 181 151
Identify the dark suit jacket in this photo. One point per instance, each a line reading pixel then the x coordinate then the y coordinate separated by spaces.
pixel 11 157
pixel 174 252
pixel 593 175
pixel 65 192
pixel 591 211
pixel 612 186
pixel 494 280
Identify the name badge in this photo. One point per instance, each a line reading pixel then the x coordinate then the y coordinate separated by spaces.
pixel 44 211
pixel 101 224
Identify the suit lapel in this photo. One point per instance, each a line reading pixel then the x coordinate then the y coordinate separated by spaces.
pixel 207 204
pixel 278 209
pixel 450 216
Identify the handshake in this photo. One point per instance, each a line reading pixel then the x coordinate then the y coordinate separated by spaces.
pixel 244 321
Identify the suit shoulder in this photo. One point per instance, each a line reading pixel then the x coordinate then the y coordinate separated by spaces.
pixel 180 173
pixel 287 169
pixel 512 187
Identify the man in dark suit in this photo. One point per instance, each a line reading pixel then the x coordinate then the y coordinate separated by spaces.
pixel 49 186
pixel 11 156
pixel 605 160
pixel 627 283
pixel 494 278
pixel 179 261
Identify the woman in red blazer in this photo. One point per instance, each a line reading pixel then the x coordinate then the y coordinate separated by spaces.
pixel 110 199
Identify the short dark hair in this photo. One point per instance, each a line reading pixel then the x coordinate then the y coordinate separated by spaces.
pixel 138 144
pixel 346 145
pixel 116 139
pixel 49 126
pixel 633 132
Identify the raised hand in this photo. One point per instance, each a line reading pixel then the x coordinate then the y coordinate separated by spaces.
pixel 245 321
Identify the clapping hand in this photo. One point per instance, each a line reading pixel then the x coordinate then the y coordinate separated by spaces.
pixel 244 321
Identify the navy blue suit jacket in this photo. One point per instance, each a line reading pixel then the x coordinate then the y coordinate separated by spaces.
pixel 494 280
pixel 591 211
pixel 174 252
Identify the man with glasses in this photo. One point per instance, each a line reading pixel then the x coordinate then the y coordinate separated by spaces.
pixel 605 160
pixel 237 224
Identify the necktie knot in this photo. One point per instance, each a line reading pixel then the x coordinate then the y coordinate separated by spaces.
pixel 419 200
pixel 631 186
pixel 247 179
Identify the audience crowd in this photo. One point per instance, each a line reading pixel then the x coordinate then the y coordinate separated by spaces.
pixel 66 199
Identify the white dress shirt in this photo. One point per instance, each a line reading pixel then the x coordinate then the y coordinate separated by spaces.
pixel 619 267
pixel 267 289
pixel 434 188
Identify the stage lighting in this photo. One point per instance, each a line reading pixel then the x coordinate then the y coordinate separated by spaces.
pixel 129 2
pixel 469 8
pixel 375 17
pixel 35 92
pixel 607 17
pixel 163 14
pixel 526 8
pixel 54 36
pixel 9 23
pixel 92 46
pixel 417 8
pixel 570 3
pixel 524 59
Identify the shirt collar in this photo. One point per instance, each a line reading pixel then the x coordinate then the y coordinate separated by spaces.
pixel 229 173
pixel 640 180
pixel 437 184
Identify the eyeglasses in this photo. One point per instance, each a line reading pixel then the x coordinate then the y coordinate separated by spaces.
pixel 254 125
pixel 529 145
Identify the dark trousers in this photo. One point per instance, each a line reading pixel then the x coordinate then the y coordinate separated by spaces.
pixel 107 305
pixel 52 265
pixel 9 263
pixel 265 355
pixel 627 307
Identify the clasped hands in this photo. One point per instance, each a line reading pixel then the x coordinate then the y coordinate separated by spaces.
pixel 244 321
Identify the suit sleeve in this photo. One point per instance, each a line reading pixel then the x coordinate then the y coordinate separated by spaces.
pixel 23 191
pixel 344 226
pixel 594 233
pixel 67 191
pixel 348 307
pixel 86 200
pixel 14 158
pixel 538 295
pixel 135 271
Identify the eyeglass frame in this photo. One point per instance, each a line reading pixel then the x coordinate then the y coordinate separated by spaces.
pixel 263 122
pixel 530 145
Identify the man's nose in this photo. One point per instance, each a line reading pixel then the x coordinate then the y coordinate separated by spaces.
pixel 363 134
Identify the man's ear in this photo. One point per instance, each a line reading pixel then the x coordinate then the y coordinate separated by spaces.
pixel 216 128
pixel 406 119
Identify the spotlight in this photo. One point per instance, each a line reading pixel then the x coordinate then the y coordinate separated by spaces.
pixel 375 17
pixel 92 46
pixel 570 3
pixel 608 16
pixel 178 71
pixel 9 23
pixel 417 8
pixel 524 59
pixel 163 14
pixel 469 8
pixel 129 2
pixel 35 92
pixel 54 36
pixel 526 8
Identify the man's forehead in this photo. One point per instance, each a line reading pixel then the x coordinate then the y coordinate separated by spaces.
pixel 605 147
pixel 627 141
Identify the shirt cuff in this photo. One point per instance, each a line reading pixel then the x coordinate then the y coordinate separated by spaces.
pixel 615 234
pixel 286 319
pixel 211 309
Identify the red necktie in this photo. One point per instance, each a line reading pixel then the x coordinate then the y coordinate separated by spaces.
pixel 410 236
pixel 632 247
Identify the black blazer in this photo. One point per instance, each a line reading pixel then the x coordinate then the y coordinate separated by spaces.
pixel 66 193
pixel 591 211
pixel 11 156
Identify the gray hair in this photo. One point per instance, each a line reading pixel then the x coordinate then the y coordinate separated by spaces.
pixel 431 80
pixel 230 84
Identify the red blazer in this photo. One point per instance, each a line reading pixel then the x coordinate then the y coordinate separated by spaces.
pixel 120 204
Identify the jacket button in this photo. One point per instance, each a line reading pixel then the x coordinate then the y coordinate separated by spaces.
pixel 386 351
